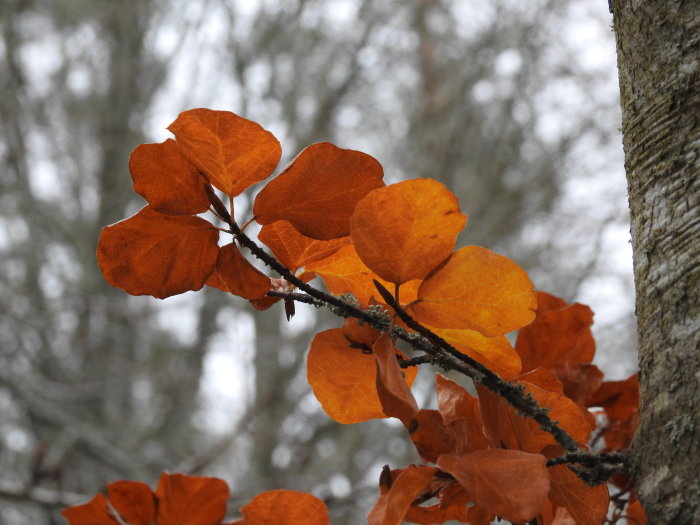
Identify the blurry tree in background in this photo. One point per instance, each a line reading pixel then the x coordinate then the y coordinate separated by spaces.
pixel 502 102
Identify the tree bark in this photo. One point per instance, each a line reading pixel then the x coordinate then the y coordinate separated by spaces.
pixel 658 49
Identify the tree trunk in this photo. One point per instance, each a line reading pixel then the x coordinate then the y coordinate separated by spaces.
pixel 658 49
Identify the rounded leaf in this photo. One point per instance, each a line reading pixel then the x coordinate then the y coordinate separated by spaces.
pixel 343 378
pixel 319 190
pixel 478 290
pixel 285 507
pixel 232 152
pixel 167 180
pixel 157 254
pixel 191 500
pixel 235 274
pixel 133 500
pixel 403 231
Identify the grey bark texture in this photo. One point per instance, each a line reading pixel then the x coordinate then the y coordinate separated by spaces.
pixel 658 47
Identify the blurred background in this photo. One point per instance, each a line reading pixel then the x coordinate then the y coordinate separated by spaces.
pixel 513 105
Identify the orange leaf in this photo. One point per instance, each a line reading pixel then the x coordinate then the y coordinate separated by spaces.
pixel 133 500
pixel 560 334
pixel 191 500
pixel 94 512
pixel 167 180
pixel 157 254
pixel 455 405
pixel 509 483
pixel 496 353
pixel 404 230
pixel 504 426
pixel 430 436
pixel 318 192
pixel 236 275
pixel 344 378
pixel 587 505
pixel 391 508
pixel 232 152
pixel 636 514
pixel 285 507
pixel 580 381
pixel 295 250
pixel 478 290
pixel 394 394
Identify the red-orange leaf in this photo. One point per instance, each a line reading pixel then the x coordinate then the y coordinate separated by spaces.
pixel 295 250
pixel 133 501
pixel 344 378
pixel 394 394
pixel 191 500
pixel 285 507
pixel 509 483
pixel 496 353
pixel 157 254
pixel 391 508
pixel 478 290
pixel 94 512
pixel 318 192
pixel 431 436
pixel 403 231
pixel 236 275
pixel 234 153
pixel 587 505
pixel 167 180
pixel 456 405
pixel 560 334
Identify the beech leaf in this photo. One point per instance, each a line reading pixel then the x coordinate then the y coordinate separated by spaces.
pixel 344 378
pixel 235 274
pixel 167 180
pixel 156 254
pixel 587 505
pixel 478 290
pixel 403 231
pixel 191 500
pixel 394 394
pixel 285 507
pixel 232 152
pixel 509 483
pixel 319 190
pixel 392 507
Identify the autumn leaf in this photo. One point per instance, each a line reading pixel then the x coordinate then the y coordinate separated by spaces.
pixel 94 512
pixel 587 505
pixel 496 353
pixel 561 333
pixel 167 180
pixel 344 378
pixel 232 152
pixel 191 500
pixel 284 507
pixel 394 394
pixel 510 483
pixel 392 506
pixel 318 192
pixel 476 289
pixel 430 435
pixel 236 275
pixel 456 405
pixel 402 231
pixel 157 254
pixel 133 500
pixel 295 250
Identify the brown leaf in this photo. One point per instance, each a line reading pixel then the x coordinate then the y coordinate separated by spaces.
pixel 191 500
pixel 318 192
pixel 430 435
pixel 395 395
pixel 133 500
pixel 509 483
pixel 237 275
pixel 285 507
pixel 403 231
pixel 157 254
pixel 232 152
pixel 391 507
pixel 94 512
pixel 476 289
pixel 587 505
pixel 167 180
pixel 560 334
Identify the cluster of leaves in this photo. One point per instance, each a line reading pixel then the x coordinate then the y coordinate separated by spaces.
pixel 518 449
